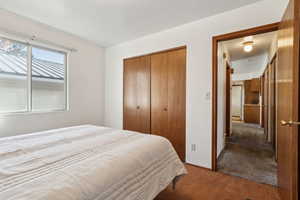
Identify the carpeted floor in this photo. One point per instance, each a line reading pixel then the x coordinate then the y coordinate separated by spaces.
pixel 203 184
pixel 247 155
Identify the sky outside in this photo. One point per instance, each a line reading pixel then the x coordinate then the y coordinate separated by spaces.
pixel 38 53
pixel 51 56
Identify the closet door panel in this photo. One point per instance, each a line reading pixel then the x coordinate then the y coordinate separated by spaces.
pixel 130 94
pixel 177 100
pixel 143 96
pixel 168 78
pixel 159 95
pixel 136 110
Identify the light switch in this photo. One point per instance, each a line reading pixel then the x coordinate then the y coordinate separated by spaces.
pixel 207 96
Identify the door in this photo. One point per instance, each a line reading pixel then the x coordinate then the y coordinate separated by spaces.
pixel 136 111
pixel 262 88
pixel 228 99
pixel 272 101
pixel 159 95
pixel 266 102
pixel 168 85
pixel 288 102
pixel 176 99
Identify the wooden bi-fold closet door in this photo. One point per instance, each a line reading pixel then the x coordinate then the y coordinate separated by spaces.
pixel 168 96
pixel 136 108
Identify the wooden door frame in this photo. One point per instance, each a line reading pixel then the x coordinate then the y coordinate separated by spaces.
pixel 228 102
pixel 243 33
pixel 262 93
pixel 266 99
pixel 273 97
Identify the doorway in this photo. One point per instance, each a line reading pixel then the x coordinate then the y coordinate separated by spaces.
pixel 287 86
pixel 237 102
pixel 244 140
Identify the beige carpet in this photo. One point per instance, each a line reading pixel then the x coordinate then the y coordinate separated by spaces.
pixel 248 155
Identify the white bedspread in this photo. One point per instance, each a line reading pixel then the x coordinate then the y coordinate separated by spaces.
pixel 86 163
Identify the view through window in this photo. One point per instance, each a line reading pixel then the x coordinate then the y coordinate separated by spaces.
pixel 36 84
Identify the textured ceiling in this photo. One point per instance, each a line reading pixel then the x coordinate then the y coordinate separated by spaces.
pixel 108 22
pixel 262 44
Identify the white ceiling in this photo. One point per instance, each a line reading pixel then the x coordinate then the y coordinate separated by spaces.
pixel 262 44
pixel 108 22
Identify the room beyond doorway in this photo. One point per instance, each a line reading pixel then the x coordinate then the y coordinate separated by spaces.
pixel 248 156
pixel 244 140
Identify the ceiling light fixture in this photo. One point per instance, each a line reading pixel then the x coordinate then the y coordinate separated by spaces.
pixel 248 46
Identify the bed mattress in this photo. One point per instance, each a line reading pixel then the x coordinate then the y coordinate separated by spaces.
pixel 86 163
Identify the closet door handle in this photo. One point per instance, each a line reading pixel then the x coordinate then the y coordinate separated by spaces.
pixel 165 109
pixel 138 107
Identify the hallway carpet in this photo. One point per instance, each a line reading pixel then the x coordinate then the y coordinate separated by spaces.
pixel 203 184
pixel 248 155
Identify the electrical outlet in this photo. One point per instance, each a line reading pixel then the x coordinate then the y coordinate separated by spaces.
pixel 193 147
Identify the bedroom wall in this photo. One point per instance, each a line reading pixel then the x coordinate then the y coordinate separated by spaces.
pixel 222 64
pixel 197 36
pixel 86 81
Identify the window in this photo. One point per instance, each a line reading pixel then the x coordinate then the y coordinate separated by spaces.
pixel 31 85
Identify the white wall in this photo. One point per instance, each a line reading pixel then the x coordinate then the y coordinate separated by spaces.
pixel 197 36
pixel 249 68
pixel 236 105
pixel 221 96
pixel 86 80
pixel 46 94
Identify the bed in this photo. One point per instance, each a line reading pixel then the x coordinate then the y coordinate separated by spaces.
pixel 86 163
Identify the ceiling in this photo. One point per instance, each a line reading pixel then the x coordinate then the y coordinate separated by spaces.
pixel 108 22
pixel 262 44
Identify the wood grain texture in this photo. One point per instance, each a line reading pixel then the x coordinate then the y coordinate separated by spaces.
pixel 262 89
pixel 255 85
pixel 288 101
pixel 247 32
pixel 159 95
pixel 252 91
pixel 136 110
pixel 272 106
pixel 266 101
pixel 252 113
pixel 228 99
pixel 203 184
pixel 168 104
pixel 177 100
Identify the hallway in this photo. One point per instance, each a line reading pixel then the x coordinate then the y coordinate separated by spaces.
pixel 248 155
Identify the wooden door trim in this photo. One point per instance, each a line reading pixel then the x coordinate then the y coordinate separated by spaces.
pixel 243 33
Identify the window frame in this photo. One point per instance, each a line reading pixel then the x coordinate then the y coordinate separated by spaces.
pixel 29 109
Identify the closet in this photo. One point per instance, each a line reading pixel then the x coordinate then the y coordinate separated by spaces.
pixel 155 94
pixel 136 110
